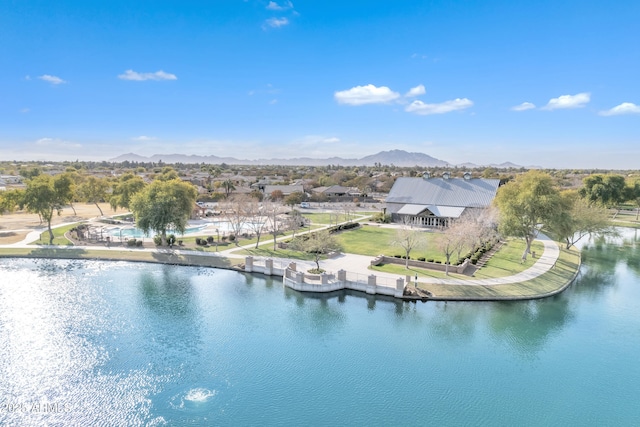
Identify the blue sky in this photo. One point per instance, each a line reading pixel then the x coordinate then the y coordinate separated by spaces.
pixel 550 83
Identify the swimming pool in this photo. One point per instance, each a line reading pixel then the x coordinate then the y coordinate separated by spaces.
pixel 134 232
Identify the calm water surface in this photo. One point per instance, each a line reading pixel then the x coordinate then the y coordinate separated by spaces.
pixel 97 343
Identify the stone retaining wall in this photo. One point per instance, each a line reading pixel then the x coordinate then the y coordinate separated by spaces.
pixel 460 269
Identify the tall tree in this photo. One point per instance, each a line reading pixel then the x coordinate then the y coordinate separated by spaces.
pixel 228 187
pixel 44 197
pixel 10 199
pixel 578 218
pixel 163 205
pixel 94 190
pixel 605 190
pixel 526 204
pixel 126 187
pixel 632 194
pixel 66 186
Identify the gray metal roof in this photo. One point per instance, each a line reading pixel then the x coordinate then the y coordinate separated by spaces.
pixel 410 209
pixel 468 193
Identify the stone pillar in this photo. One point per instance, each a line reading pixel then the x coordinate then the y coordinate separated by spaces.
pixel 248 264
pixel 342 275
pixel 292 266
pixel 268 267
pixel 408 279
pixel 299 277
pixel 399 287
pixel 324 278
pixel 371 284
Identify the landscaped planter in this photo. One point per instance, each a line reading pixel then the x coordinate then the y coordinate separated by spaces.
pixel 381 259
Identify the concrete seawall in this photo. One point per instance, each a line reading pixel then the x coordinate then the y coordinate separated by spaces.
pixel 322 283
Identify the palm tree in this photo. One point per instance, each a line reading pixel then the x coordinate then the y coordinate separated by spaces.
pixel 228 187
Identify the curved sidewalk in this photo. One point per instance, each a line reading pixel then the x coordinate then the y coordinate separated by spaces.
pixel 352 263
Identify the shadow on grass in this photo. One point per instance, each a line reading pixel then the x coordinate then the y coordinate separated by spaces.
pixel 55 252
pixel 174 258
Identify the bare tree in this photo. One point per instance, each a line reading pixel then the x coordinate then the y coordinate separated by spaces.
pixel 255 218
pixel 451 240
pixel 234 211
pixel 317 243
pixel 272 211
pixel 295 221
pixel 409 238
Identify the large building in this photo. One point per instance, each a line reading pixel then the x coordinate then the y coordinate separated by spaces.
pixel 434 202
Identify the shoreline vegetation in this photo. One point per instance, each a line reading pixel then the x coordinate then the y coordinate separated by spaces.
pixel 547 284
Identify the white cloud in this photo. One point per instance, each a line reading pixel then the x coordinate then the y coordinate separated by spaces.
pixel 523 107
pixel 54 80
pixel 158 75
pixel 57 144
pixel 415 91
pixel 568 101
pixel 25 110
pixel 624 108
pixel 273 102
pixel 144 138
pixel 275 6
pixel 424 109
pixel 275 22
pixel 369 94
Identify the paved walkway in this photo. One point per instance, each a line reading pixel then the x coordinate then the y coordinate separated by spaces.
pixel 358 264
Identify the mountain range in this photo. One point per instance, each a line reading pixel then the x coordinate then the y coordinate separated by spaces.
pixel 399 158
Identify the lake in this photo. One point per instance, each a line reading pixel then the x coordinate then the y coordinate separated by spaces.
pixel 103 344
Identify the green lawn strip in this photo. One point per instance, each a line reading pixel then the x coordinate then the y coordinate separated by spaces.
pixel 124 255
pixel 401 271
pixel 374 241
pixel 267 251
pixel 552 281
pixel 507 261
pixel 58 236
pixel 629 224
pixel 323 218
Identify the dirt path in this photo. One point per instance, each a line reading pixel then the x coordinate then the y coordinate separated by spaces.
pixel 15 226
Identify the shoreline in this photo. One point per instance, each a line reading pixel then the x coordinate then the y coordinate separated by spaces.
pixel 210 260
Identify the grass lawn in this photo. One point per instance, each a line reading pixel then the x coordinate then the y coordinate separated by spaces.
pixel 325 218
pixel 267 251
pixel 122 255
pixel 58 236
pixel 373 241
pixel 505 262
pixel 551 281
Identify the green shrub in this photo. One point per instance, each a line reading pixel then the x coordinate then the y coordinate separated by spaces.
pixel 421 258
pixel 381 218
pixel 210 239
pixel 132 242
pixel 157 239
pixel 430 260
pixel 232 238
pixel 138 243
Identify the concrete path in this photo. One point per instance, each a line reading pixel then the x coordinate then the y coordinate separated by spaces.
pixel 355 264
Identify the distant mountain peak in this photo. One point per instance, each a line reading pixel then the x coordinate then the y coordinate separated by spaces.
pixel 396 157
